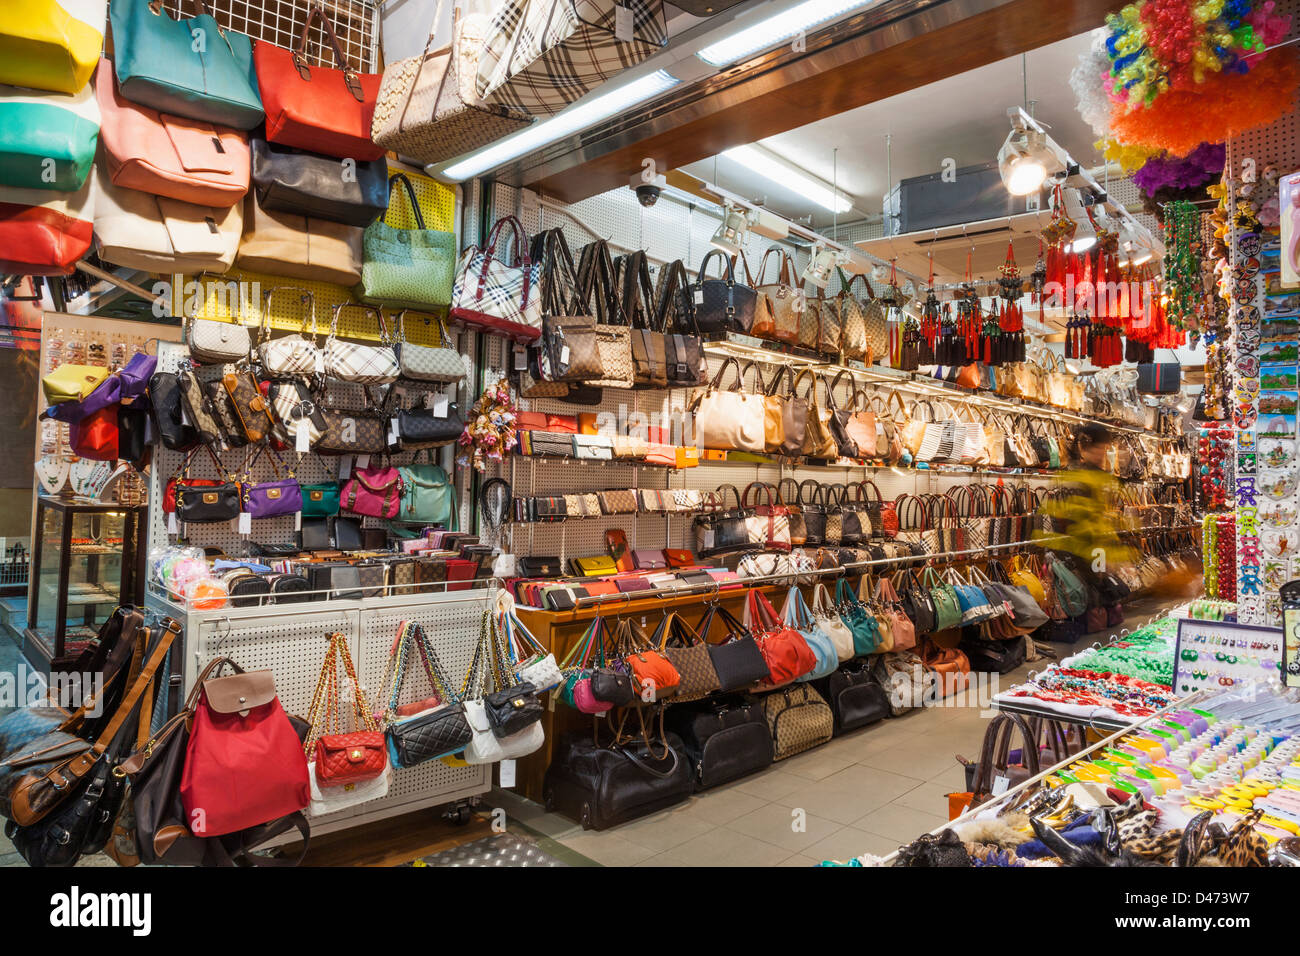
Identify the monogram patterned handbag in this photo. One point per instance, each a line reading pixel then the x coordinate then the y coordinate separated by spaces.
pixel 830 330
pixel 781 297
pixel 809 311
pixel 798 719
pixel 351 432
pixel 251 407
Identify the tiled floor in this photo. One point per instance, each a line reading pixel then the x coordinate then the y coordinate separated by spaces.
pixel 867 792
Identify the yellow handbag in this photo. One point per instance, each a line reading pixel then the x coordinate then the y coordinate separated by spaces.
pixel 687 456
pixel 51 46
pixel 72 383
pixel 1023 576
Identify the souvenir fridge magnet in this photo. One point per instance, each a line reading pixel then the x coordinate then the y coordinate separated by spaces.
pixel 1277 514
pixel 1277 452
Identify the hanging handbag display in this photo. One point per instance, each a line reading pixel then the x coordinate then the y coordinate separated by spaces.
pixel 423 363
pixel 598 281
pixel 786 653
pixel 165 405
pixel 830 331
pixel 43 232
pixel 245 764
pixel 284 244
pixel 796 614
pixel 499 294
pixel 653 675
pixel 311 107
pixel 818 441
pixel 1160 378
pixel 406 268
pixel 541 55
pixel 858 618
pixel 51 44
pixel 782 296
pixel 360 364
pixel 737 659
pixel 201 501
pixel 160 64
pixel 793 415
pixel 292 355
pixel 350 431
pixel 297 182
pixel 767 525
pixel 683 351
pixel 373 491
pixel 339 758
pixel 689 655
pixel 427 107
pixel 440 729
pixel 268 499
pixel 728 419
pixel 722 305
pixel 419 428
pixel 503 712
pixel 47 141
pixel 649 349
pixel 428 496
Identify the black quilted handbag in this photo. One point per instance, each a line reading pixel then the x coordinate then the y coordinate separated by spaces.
pixel 511 710
pixel 431 734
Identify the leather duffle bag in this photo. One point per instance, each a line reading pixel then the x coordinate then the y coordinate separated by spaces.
pixel 724 738
pixel 722 305
pixel 287 244
pixel 855 697
pixel 601 785
pixel 307 184
pixel 798 719
pixel 167 155
pixel 324 110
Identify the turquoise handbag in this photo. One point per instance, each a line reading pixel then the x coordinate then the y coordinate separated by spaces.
pixel 427 496
pixel 190 68
pixel 1070 591
pixel 796 614
pixel 47 140
pixel 860 620
pixel 406 268
pixel 321 500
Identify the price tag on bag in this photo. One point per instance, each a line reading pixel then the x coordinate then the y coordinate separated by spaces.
pixel 623 24
pixel 320 362
pixel 521 358
pixel 1000 785
pixel 245 523
pixel 297 521
pixel 345 467
pixel 507 774
pixel 173 526
pixel 564 355
pixel 301 437
pixel 363 461
pixel 440 405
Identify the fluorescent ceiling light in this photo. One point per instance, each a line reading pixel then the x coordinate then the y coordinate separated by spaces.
pixel 777 29
pixel 573 119
pixel 769 167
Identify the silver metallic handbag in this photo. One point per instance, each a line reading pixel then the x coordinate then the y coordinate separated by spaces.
pixel 425 364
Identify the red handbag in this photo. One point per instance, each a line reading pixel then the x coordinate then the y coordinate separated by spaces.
pixel 343 758
pixel 786 653
pixel 95 436
pixel 461 571
pixel 41 240
pixel 314 108
pixel 651 669
pixel 245 765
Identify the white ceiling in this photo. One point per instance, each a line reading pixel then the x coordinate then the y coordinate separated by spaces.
pixel 962 117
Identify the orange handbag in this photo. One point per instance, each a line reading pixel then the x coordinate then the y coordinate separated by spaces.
pixel 653 674
pixel 950 665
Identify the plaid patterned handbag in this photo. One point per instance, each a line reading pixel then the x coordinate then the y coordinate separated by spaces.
pixel 497 294
pixel 360 364
pixel 541 55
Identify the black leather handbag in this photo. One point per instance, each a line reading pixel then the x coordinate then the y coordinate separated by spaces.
pixel 854 695
pixel 612 686
pixel 291 180
pixel 428 736
pixel 207 503
pixel 813 506
pixel 722 305
pixel 727 525
pixel 725 738
pixel 511 710
pixel 603 785
pixel 675 315
pixel 536 566
pixel 917 603
pixel 994 655
pixel 737 660
pixel 164 394
pixel 421 428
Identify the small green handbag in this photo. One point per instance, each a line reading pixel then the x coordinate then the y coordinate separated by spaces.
pixel 947 608
pixel 190 68
pixel 427 496
pixel 320 501
pixel 406 268
pixel 47 141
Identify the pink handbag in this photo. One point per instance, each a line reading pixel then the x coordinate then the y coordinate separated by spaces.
pixel 585 701
pixel 167 155
pixel 373 491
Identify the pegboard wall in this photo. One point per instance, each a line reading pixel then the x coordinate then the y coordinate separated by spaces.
pixel 291 640
pixel 280 22
pixel 667 231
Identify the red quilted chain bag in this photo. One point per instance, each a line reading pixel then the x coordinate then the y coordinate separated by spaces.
pixel 343 758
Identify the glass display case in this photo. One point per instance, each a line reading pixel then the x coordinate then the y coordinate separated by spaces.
pixel 86 560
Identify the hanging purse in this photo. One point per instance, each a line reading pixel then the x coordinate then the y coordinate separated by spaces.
pixel 168 416
pixel 599 282
pixel 314 108
pixel 853 320
pixel 160 64
pixel 268 499
pixel 683 351
pixel 340 760
pixel 499 295
pixel 360 364
pixel 830 330
pixel 422 363
pixel 428 496
pixel 292 181
pixel 203 501
pixel 728 419
pixel 350 431
pixel 814 513
pixel 794 414
pixel 48 45
pixel 43 232
pixel 781 298
pixel 795 614
pixel 818 442
pixel 722 305
pixel 438 731
pixel 858 618
pixel 504 715
pixel 786 653
pixel 292 355
pixel 252 410
pixel 406 268
pixel 373 491
pixel 737 659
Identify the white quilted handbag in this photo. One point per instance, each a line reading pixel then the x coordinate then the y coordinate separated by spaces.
pixel 333 799
pixel 486 747
pixel 360 364
pixel 425 364
pixel 292 354
pixel 542 672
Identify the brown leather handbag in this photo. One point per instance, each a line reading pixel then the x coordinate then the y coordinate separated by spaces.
pixel 781 296
pixel 251 406
pixel 853 320
pixel 773 411
pixel 818 441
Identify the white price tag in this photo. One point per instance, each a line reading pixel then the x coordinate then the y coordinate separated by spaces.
pixel 297 521
pixel 507 774
pixel 699 296
pixel 708 539
pixel 320 362
pixel 521 358
pixel 1000 784
pixel 564 355
pixel 392 434
pixel 440 405
pixel 301 437
pixel 345 467
pixel 363 461
pixel 623 24
pixel 173 526
pixel 245 523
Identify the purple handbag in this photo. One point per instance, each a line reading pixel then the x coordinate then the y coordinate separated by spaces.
pixel 126 384
pixel 267 499
pixel 649 560
pixel 634 583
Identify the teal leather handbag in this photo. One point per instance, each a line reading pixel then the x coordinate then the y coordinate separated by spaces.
pixel 406 268
pixel 47 140
pixel 797 615
pixel 427 496
pixel 190 68
pixel 860 620
pixel 321 500
pixel 1070 591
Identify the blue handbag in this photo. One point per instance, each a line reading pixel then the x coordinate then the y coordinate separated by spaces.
pixel 190 68
pixel 47 140
pixel 863 624
pixel 796 614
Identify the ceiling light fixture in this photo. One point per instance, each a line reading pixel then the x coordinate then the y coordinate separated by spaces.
pixel 760 161
pixel 732 231
pixel 573 119
pixel 778 28
pixel 1027 157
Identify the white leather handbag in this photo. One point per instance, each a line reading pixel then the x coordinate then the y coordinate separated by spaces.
pixel 486 747
pixel 156 234
pixel 333 799
pixel 728 419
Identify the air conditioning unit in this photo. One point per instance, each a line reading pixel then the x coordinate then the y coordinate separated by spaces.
pixel 969 194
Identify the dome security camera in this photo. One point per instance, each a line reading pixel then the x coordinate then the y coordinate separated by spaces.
pixel 647 189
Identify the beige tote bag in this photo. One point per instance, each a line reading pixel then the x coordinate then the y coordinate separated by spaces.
pixel 283 244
